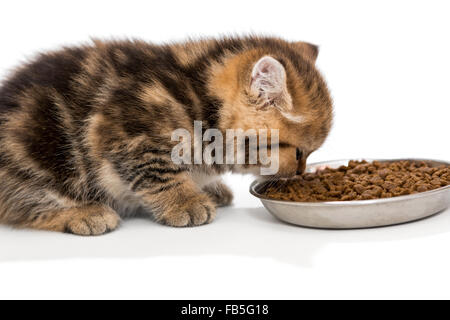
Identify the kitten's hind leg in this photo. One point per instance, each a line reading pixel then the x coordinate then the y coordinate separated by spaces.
pixel 89 220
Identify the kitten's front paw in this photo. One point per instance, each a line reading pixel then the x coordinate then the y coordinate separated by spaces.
pixel 220 194
pixel 92 221
pixel 194 212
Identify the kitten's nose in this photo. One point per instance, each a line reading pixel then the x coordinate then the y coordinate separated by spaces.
pixel 298 154
pixel 301 169
pixel 301 166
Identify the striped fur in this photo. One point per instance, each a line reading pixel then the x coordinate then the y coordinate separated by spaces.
pixel 85 131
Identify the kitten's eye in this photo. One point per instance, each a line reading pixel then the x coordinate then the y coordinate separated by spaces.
pixel 299 154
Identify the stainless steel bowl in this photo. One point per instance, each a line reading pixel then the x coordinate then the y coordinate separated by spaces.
pixel 358 213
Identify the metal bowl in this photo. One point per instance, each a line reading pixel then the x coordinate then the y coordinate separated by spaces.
pixel 358 213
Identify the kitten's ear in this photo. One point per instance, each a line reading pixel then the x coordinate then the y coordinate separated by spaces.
pixel 269 84
pixel 308 50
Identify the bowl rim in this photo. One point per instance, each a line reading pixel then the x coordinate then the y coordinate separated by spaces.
pixel 257 182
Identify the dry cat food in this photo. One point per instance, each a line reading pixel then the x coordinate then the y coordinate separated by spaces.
pixel 361 180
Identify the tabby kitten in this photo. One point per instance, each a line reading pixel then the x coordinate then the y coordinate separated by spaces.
pixel 85 132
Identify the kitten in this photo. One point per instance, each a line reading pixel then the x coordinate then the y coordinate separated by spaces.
pixel 85 132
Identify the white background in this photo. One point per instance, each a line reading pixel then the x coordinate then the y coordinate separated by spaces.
pixel 387 64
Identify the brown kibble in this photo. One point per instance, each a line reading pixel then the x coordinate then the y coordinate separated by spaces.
pixel 308 176
pixel 334 193
pixel 377 191
pixel 368 194
pixel 359 188
pixel 408 184
pixel 352 164
pixel 377 180
pixel 426 170
pixel 390 177
pixel 436 182
pixel 361 180
pixel 359 169
pixel 388 185
pixel 383 173
pixel 422 188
